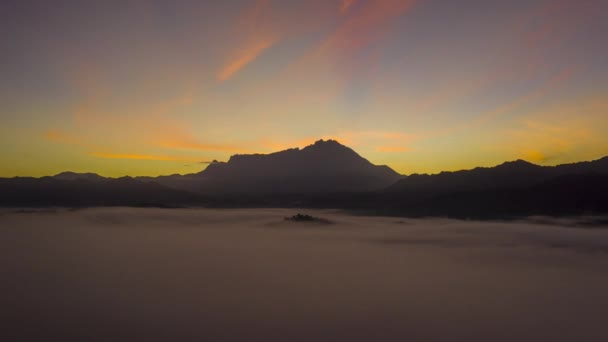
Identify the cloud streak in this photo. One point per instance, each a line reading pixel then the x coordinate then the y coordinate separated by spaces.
pixel 174 134
pixel 366 25
pixel 345 5
pixel 249 53
pixel 189 143
pixel 392 149
pixel 61 137
pixel 110 155
pixel 260 37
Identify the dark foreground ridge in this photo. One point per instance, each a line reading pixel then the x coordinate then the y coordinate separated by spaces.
pixel 330 175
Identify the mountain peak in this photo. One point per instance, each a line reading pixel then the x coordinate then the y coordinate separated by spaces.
pixel 327 142
pixel 324 166
pixel 68 175
pixel 329 145
pixel 517 163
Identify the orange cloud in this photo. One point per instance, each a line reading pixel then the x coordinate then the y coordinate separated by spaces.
pixel 107 155
pixel 162 131
pixel 392 149
pixel 338 58
pixel 365 26
pixel 61 137
pixel 259 37
pixel 171 133
pixel 192 144
pixel 346 4
pixel 245 57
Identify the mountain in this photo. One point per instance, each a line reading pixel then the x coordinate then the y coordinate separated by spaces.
pixel 511 189
pixel 89 191
pixel 70 176
pixel 571 194
pixel 327 174
pixel 515 174
pixel 323 167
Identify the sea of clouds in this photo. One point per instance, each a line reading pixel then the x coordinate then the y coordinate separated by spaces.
pixel 127 274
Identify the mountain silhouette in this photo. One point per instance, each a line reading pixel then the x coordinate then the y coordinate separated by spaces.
pixel 514 174
pixel 327 174
pixel 70 176
pixel 570 194
pixel 323 167
pixel 75 191
pixel 511 189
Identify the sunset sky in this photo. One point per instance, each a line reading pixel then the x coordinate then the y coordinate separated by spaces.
pixel 161 87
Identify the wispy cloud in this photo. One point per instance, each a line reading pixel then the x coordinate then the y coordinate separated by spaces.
pixel 393 149
pixel 366 25
pixel 61 137
pixel 175 134
pixel 250 52
pixel 192 144
pixel 257 35
pixel 350 52
pixel 345 5
pixel 111 155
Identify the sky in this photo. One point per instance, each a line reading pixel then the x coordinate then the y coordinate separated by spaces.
pixel 162 87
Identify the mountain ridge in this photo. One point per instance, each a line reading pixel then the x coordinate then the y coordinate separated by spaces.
pixel 515 173
pixel 327 174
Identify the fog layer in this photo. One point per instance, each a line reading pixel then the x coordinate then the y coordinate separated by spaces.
pixel 123 274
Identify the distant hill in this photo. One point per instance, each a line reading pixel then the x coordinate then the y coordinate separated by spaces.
pixel 93 191
pixel 572 194
pixel 70 176
pixel 323 167
pixel 510 189
pixel 515 174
